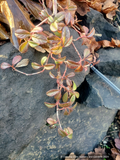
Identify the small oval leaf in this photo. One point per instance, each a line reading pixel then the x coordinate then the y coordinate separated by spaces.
pixel 51 75
pixel 50 105
pixel 5 65
pixel 16 59
pixel 61 132
pixel 37 30
pixel 54 26
pixel 52 92
pixel 71 74
pixel 21 33
pixel 49 66
pixel 32 44
pixel 35 65
pixel 43 60
pixel 51 121
pixel 72 99
pixel 23 63
pixel 65 105
pixel 23 47
pixel 74 86
pixel 65 97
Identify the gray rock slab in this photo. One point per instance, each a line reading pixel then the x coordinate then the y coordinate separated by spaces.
pixel 89 126
pixel 109 61
pixel 22 109
pixel 102 26
pixel 101 93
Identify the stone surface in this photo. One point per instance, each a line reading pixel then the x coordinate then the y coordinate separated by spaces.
pixel 101 93
pixel 102 26
pixel 109 61
pixel 22 109
pixel 89 126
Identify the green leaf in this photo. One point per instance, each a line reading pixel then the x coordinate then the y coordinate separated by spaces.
pixel 66 113
pixel 56 49
pixel 22 63
pixel 21 33
pixel 23 47
pixel 43 60
pixel 54 26
pixel 59 16
pixel 50 105
pixel 65 97
pixel 72 99
pixel 49 66
pixel 74 86
pixel 44 13
pixel 51 75
pixel 86 52
pixel 51 121
pixel 38 38
pixel 35 65
pixel 65 35
pixel 58 96
pixel 50 19
pixel 69 41
pixel 58 33
pixel 52 92
pixel 65 105
pixel 62 132
pixel 32 44
pixel 76 94
pixel 72 8
pixel 61 60
pixel 74 106
pixel 70 136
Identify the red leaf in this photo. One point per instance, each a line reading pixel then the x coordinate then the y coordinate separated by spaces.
pixel 16 59
pixel 51 121
pixel 52 92
pixel 5 65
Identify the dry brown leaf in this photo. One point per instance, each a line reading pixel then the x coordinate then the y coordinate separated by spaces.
pixel 109 6
pixel 33 7
pixel 3 33
pixel 82 7
pixel 115 151
pixel 16 17
pixel 72 156
pixel 111 14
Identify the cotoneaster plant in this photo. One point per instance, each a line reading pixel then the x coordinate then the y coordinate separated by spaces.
pixel 43 41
